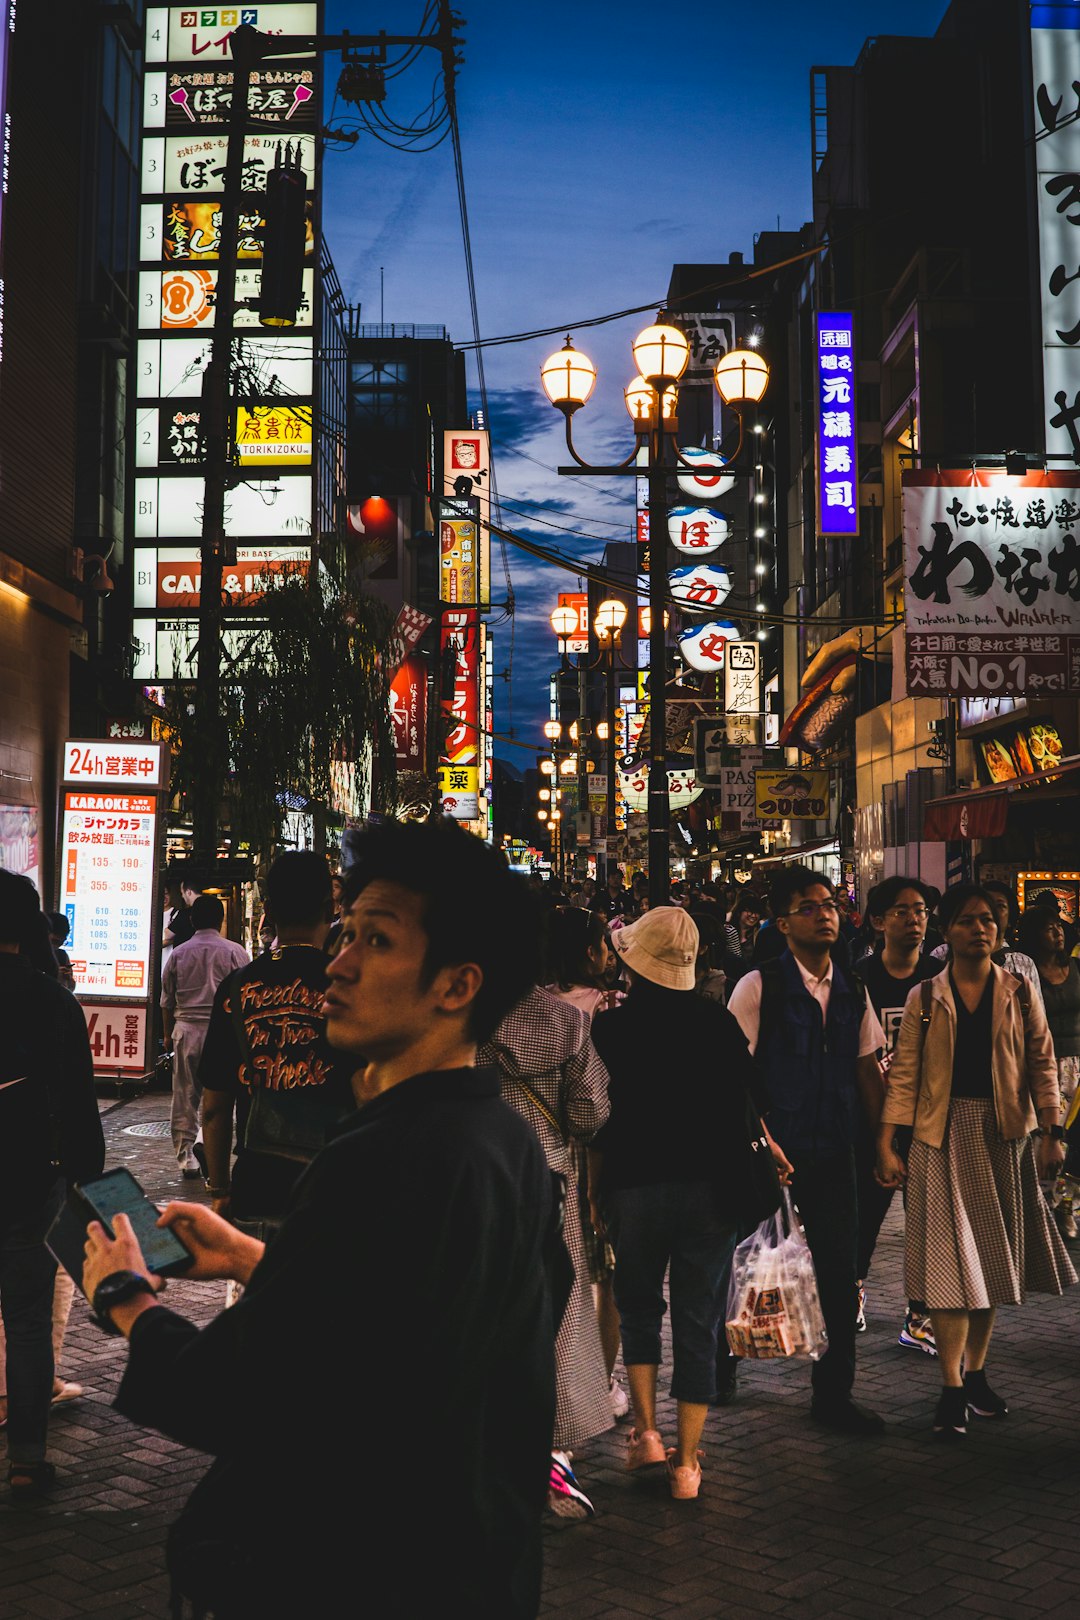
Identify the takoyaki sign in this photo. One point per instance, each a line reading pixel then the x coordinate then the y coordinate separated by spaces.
pixel 991 583
pixel 791 795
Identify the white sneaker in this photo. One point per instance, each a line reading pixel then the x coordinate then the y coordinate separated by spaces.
pixel 620 1400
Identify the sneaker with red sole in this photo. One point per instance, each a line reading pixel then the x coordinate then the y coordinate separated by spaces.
pixel 566 1499
pixel 645 1450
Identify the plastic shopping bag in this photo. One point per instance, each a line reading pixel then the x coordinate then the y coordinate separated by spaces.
pixel 773 1306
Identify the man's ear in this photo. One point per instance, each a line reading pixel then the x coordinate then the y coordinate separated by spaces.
pixel 781 923
pixel 458 986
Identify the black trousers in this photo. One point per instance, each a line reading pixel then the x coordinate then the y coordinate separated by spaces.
pixel 824 1190
pixel 874 1199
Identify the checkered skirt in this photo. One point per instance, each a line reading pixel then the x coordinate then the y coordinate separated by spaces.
pixel 979 1232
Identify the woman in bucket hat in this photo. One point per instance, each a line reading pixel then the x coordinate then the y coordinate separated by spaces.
pixel 679 1072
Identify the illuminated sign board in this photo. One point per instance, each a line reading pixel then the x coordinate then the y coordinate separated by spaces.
pixel 467 455
pixel 108 847
pixel 459 551
pixel 108 764
pixel 742 678
pixel 168 579
pixel 171 508
pixel 1055 67
pixel 578 642
pixel 837 426
pixel 173 367
pixel 459 761
pixel 281 92
pixel 184 298
pixel 201 33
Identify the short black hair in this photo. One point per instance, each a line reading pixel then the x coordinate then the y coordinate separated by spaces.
pixel 59 927
pixel 957 896
pixel 1034 920
pixel 207 911
pixel 298 889
pixel 19 906
pixel 888 891
pixel 790 881
pixel 475 908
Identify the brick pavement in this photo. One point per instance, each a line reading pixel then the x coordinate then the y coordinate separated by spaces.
pixel 791 1519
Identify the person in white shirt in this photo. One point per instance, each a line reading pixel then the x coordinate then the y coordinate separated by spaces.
pixel 188 987
pixel 815 1035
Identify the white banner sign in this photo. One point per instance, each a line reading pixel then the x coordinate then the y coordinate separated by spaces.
pixel 742 678
pixel 1055 67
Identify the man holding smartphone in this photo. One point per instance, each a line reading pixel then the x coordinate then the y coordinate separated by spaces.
pixel 403 1309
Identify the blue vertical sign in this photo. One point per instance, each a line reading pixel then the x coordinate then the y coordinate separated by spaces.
pixel 837 427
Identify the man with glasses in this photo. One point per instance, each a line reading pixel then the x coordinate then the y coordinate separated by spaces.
pixel 814 1032
pixel 899 909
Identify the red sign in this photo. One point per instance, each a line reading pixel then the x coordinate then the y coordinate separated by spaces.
pixel 578 641
pixel 461 705
pixel 408 712
pixel 117 1037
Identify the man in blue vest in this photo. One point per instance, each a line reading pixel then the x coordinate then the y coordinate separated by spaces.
pixel 815 1034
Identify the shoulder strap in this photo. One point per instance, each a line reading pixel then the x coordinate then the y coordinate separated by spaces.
pixel 542 1108
pixel 1024 994
pixel 926 997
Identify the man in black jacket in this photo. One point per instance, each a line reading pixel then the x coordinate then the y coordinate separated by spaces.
pixel 49 1131
pixel 400 1322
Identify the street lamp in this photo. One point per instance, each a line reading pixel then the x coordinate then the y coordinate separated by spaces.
pixel 661 353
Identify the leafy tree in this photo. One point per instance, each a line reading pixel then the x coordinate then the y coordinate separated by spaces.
pixel 304 696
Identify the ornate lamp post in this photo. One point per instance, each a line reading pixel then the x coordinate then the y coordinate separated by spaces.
pixel 660 353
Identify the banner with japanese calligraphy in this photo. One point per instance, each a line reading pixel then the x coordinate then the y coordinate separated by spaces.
pixel 278 92
pixel 1055 68
pixel 991 583
pixel 837 425
pixel 742 678
pixel 459 758
pixel 408 714
pixel 459 551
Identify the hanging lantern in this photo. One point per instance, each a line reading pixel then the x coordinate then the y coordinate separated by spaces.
pixel 703 646
pixel 700 587
pixel 697 530
pixel 683 786
pixel 708 481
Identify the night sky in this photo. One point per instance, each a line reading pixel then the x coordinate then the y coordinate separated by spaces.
pixel 602 144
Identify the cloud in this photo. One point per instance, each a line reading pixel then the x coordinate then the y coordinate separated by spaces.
pixel 517 416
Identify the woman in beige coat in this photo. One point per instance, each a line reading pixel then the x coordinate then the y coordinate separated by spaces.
pixel 973 1066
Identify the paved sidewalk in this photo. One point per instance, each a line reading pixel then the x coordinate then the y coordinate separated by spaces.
pixel 791 1520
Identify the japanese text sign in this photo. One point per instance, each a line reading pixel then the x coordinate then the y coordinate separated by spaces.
pixel 742 678
pixel 408 712
pixel 791 795
pixel 578 642
pixel 1055 67
pixel 117 1033
pixel 109 843
pixel 139 765
pixel 837 427
pixel 459 551
pixel 459 760
pixel 201 33
pixel 991 584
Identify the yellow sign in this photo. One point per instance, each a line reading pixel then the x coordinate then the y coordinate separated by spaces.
pixel 274 435
pixel 459 786
pixel 791 795
pixel 459 560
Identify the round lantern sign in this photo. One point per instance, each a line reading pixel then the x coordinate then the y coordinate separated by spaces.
pixel 700 587
pixel 703 646
pixel 697 530
pixel 683 786
pixel 708 481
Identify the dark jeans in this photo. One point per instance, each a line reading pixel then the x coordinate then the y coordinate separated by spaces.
pixel 651 1228
pixel 27 1275
pixel 874 1200
pixel 824 1190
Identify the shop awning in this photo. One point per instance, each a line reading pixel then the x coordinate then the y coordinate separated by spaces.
pixel 983 812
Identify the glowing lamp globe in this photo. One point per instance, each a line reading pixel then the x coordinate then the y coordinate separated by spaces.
pixel 564 622
pixel 703 646
pixel 568 378
pixel 741 376
pixel 661 354
pixel 697 530
pixel 610 618
pixel 707 481
pixel 640 397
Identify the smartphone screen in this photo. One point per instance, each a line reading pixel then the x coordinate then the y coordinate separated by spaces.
pixel 117 1192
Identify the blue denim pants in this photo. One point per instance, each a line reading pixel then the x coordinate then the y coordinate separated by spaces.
pixel 27 1275
pixel 674 1225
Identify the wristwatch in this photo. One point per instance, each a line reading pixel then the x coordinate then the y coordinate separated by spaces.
pixel 1055 1132
pixel 116 1289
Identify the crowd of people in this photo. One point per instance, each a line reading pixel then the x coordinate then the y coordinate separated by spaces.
pixel 377 1206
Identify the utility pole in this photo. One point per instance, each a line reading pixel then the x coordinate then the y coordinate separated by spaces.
pixel 217 431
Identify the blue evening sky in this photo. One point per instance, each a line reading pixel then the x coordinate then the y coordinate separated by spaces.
pixel 602 144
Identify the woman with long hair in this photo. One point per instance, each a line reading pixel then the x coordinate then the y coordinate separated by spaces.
pixel 974 1074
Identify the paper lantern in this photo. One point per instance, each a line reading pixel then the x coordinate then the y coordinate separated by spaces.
pixel 697 530
pixel 703 646
pixel 708 481
pixel 700 587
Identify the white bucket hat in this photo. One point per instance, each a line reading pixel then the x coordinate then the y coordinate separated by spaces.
pixel 661 946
